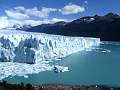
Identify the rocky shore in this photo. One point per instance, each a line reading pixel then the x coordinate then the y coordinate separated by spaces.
pixel 5 86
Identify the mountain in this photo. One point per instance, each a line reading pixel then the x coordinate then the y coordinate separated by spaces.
pixel 21 27
pixel 17 27
pixel 106 27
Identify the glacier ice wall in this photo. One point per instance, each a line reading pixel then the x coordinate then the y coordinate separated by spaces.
pixel 25 47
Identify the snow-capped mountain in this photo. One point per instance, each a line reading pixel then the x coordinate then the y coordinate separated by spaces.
pixel 23 28
pixel 17 27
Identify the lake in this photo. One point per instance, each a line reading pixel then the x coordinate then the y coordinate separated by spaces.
pixel 100 65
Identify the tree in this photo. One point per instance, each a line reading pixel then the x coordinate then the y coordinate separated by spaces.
pixel 29 87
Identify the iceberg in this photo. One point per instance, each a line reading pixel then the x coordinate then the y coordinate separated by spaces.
pixel 60 69
pixel 32 48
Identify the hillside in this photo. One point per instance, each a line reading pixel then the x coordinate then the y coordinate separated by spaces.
pixel 106 27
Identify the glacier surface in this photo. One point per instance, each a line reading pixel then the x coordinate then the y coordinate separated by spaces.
pixel 18 49
pixel 26 47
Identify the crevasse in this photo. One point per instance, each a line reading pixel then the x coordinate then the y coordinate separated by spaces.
pixel 25 47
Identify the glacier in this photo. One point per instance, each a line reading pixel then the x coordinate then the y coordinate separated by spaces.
pixel 31 48
pixel 23 53
pixel 27 47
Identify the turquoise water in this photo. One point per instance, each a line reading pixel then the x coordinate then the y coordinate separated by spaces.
pixel 101 65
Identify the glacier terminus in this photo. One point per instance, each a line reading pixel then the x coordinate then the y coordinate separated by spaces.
pixel 23 53
pixel 31 48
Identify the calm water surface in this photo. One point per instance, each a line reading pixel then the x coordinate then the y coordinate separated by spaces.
pixel 101 65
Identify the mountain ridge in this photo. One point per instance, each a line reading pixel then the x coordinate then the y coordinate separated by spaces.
pixel 106 27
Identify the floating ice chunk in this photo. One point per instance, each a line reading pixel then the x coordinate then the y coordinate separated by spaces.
pixel 25 76
pixel 101 50
pixel 60 69
pixel 20 69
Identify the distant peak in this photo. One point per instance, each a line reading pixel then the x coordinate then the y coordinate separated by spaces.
pixel 61 23
pixel 96 15
pixel 111 14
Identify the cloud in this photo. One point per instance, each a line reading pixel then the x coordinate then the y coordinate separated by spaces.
pixel 16 15
pixel 24 16
pixel 3 22
pixel 43 13
pixel 86 2
pixel 6 22
pixel 58 20
pixel 71 9
pixel 22 13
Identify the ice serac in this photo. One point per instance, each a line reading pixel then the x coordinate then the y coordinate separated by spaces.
pixel 24 47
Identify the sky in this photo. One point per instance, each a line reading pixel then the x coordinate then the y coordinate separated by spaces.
pixel 36 12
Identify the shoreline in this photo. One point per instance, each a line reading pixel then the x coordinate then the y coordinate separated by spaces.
pixel 7 86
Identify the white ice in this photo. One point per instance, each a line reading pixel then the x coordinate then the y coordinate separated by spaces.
pixel 26 47
pixel 10 69
pixel 18 49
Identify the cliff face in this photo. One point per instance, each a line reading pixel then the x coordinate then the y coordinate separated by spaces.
pixel 19 46
pixel 105 27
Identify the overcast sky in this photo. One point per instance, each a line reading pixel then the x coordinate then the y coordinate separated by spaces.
pixel 35 12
